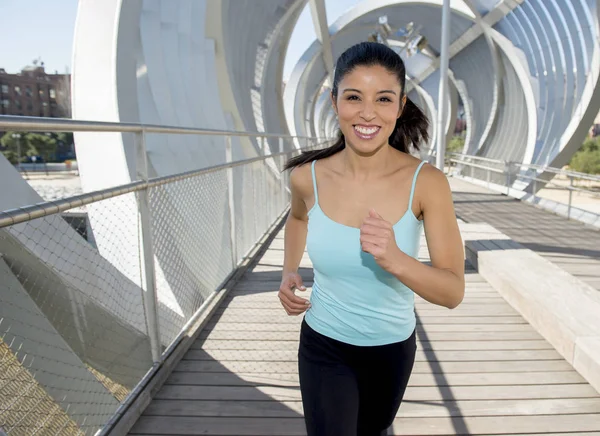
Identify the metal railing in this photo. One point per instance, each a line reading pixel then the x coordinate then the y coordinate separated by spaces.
pixel 85 320
pixel 528 178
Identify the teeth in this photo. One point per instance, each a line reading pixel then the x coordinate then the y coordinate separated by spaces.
pixel 366 131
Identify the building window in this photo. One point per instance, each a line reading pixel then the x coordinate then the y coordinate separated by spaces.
pixel 45 103
pixel 52 93
pixel 41 93
pixel 4 89
pixel 29 107
pixel 28 92
pixel 18 90
pixel 5 103
pixel 18 104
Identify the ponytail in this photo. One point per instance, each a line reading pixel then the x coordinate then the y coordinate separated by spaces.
pixel 411 129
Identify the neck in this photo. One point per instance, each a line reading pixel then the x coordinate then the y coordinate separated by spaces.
pixel 366 166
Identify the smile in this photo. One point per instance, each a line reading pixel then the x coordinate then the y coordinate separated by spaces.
pixel 365 132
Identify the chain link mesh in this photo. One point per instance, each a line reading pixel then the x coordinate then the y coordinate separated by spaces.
pixel 74 338
pixel 72 334
pixel 191 238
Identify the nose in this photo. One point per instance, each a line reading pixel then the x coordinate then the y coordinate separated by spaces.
pixel 367 113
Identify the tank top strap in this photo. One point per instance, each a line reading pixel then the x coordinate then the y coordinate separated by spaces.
pixel 314 180
pixel 414 183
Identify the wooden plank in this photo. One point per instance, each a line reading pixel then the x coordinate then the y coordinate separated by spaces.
pixel 244 335
pixel 272 303
pixel 429 319
pixel 417 426
pixel 476 367
pixel 407 410
pixel 497 425
pixel 217 344
pixel 416 379
pixel 244 299
pixel 266 293
pixel 221 325
pixel 413 393
pixel 446 356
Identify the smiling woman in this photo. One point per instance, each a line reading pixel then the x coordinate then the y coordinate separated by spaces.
pixel 359 211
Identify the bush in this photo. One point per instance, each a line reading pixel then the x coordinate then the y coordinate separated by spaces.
pixel 587 159
pixel 456 145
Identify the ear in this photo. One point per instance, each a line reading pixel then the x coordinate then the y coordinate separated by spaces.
pixel 402 105
pixel 333 103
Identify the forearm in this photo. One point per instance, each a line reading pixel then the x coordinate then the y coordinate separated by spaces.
pixel 294 243
pixel 438 286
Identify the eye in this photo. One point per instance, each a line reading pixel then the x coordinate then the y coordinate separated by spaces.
pixel 352 97
pixel 385 99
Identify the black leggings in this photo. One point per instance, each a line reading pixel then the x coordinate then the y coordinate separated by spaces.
pixel 349 390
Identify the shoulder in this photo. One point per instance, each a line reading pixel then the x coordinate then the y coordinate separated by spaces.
pixel 432 185
pixel 301 179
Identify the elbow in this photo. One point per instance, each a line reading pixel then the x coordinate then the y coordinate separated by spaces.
pixel 456 298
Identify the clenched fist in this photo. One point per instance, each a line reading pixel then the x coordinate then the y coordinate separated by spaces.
pixel 292 304
pixel 377 238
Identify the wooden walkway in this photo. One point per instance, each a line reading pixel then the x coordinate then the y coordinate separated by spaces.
pixel 480 370
pixel 567 243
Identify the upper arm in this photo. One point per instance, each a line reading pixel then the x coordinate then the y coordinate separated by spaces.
pixel 301 190
pixel 441 227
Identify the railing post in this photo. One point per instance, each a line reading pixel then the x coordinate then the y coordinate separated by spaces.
pixel 507 168
pixel 282 173
pixel 570 196
pixel 230 200
pixel 147 254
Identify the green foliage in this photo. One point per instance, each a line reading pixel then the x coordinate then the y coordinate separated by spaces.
pixel 456 145
pixel 33 144
pixel 42 145
pixel 587 159
pixel 10 146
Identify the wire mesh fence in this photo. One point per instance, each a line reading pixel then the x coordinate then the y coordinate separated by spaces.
pixel 84 314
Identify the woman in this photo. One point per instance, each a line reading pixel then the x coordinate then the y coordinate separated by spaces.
pixel 359 207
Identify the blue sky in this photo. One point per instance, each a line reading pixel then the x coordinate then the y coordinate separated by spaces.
pixel 44 29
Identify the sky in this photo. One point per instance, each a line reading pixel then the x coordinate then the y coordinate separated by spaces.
pixel 44 29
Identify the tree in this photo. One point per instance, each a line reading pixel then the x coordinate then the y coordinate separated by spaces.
pixel 43 145
pixel 11 145
pixel 587 159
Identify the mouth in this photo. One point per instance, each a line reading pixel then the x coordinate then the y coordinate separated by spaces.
pixel 366 132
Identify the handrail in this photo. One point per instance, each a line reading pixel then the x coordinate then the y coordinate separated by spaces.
pixel 543 168
pixel 37 124
pixel 39 210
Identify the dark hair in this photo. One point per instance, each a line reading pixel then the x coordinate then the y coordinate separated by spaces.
pixel 411 127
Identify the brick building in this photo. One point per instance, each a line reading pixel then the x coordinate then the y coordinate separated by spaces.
pixel 33 92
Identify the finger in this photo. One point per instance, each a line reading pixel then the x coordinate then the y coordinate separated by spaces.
pixel 368 247
pixel 297 312
pixel 293 311
pixel 369 229
pixel 373 213
pixel 375 240
pixel 377 222
pixel 292 300
pixel 298 284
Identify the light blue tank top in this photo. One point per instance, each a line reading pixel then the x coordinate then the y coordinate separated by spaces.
pixel 353 299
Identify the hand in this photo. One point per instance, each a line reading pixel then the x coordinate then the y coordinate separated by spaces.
pixel 377 238
pixel 292 304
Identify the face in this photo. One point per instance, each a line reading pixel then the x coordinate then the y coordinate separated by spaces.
pixel 368 104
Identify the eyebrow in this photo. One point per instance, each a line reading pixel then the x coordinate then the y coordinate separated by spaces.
pixel 385 91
